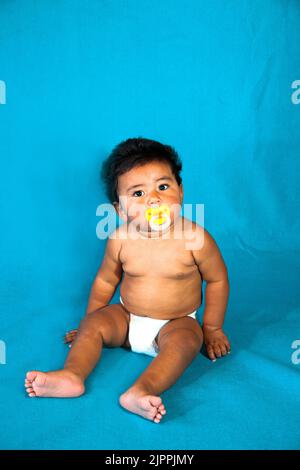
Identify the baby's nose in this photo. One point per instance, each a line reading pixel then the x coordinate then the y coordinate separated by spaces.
pixel 153 199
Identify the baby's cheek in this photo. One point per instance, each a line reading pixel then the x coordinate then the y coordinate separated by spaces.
pixel 176 210
pixel 135 211
pixel 138 220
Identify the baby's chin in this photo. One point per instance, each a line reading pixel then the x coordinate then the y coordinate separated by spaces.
pixel 150 227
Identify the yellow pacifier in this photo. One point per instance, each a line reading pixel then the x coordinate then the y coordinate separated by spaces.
pixel 158 217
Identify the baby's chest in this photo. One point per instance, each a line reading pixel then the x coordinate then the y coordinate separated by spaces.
pixel 159 260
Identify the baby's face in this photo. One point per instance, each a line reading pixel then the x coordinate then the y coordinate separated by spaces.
pixel 146 188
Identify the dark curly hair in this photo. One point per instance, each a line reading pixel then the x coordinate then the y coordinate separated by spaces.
pixel 136 152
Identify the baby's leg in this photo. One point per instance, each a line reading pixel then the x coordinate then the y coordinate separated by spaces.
pixel 179 341
pixel 107 326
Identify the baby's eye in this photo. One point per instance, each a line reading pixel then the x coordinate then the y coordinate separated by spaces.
pixel 138 191
pixel 165 184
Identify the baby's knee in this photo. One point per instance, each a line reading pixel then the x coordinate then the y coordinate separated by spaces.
pixel 95 324
pixel 187 340
pixel 192 340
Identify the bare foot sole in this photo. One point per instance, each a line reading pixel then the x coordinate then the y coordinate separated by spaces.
pixel 147 406
pixel 60 383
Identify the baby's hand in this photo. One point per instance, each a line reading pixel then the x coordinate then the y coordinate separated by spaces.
pixel 216 342
pixel 69 337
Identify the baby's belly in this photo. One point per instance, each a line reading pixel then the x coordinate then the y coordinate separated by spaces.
pixel 164 299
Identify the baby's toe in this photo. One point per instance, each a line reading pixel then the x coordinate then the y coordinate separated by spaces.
pixel 152 414
pixel 30 391
pixel 30 376
pixel 155 401
pixel 157 418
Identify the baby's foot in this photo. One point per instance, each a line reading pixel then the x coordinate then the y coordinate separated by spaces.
pixel 59 383
pixel 148 406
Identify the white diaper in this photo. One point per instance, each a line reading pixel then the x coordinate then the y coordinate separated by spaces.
pixel 143 331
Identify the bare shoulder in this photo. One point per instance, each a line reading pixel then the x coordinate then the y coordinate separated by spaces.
pixel 189 226
pixel 193 233
pixel 209 259
pixel 201 242
pixel 121 231
pixel 114 243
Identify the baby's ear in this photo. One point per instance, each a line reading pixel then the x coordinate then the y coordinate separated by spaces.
pixel 181 190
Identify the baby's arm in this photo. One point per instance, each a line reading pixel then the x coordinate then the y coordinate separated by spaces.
pixel 214 272
pixel 105 282
pixel 107 277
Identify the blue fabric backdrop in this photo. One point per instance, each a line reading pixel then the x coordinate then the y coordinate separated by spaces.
pixel 217 80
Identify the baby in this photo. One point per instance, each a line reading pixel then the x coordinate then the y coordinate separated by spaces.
pixel 163 258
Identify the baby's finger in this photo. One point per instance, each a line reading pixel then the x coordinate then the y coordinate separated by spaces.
pixel 69 338
pixel 71 333
pixel 217 350
pixel 69 342
pixel 211 353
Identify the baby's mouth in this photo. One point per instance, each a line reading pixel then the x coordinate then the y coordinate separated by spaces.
pixel 158 215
